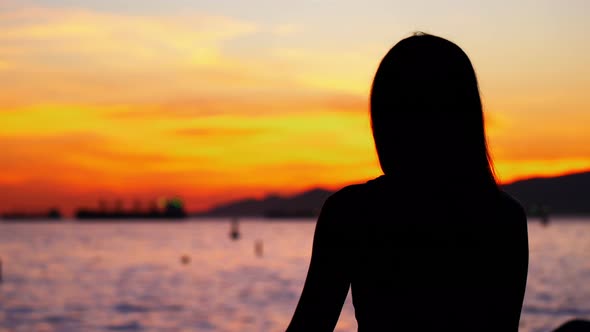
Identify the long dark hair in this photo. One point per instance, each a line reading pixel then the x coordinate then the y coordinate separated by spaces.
pixel 427 116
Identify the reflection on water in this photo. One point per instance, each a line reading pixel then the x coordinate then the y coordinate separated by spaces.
pixel 193 277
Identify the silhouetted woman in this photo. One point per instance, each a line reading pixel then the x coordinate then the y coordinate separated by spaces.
pixel 433 244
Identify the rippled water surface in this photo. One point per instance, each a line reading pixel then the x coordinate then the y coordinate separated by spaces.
pixel 130 277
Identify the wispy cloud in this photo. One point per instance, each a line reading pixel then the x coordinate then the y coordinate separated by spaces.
pixel 61 54
pixel 110 39
pixel 273 103
pixel 287 29
pixel 237 133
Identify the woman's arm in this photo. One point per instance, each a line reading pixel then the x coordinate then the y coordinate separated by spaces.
pixel 328 281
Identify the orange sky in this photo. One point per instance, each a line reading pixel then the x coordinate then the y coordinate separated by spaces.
pixel 213 104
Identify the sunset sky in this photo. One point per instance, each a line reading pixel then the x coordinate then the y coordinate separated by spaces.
pixel 216 100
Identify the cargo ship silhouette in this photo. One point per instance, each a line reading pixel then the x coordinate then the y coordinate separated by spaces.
pixel 21 216
pixel 170 209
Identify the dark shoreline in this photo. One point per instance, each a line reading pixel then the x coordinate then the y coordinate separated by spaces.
pixel 190 219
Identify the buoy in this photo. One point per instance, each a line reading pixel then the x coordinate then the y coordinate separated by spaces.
pixel 258 248
pixel 185 259
pixel 234 232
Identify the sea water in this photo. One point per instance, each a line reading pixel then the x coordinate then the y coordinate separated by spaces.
pixel 190 276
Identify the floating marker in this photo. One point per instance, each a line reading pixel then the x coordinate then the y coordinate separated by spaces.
pixel 258 248
pixel 234 232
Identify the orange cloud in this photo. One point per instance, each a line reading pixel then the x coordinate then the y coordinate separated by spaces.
pixel 212 132
pixel 64 55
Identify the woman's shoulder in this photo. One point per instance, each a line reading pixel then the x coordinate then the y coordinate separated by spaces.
pixel 511 205
pixel 352 195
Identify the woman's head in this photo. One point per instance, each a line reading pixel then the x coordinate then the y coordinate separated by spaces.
pixel 426 111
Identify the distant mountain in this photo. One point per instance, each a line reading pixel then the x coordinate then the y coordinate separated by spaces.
pixel 566 195
pixel 305 204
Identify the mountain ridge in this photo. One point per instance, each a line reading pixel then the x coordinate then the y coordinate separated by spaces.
pixel 567 194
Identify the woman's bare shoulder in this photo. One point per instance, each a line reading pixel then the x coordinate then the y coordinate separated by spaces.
pixel 512 206
pixel 350 201
pixel 352 193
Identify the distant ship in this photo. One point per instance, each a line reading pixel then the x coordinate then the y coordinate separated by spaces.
pixel 173 209
pixel 17 216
